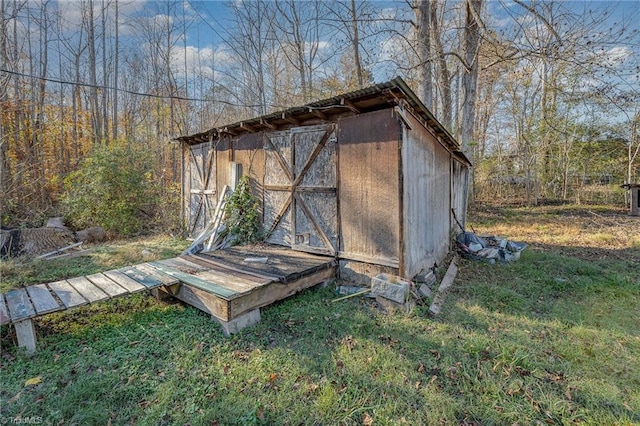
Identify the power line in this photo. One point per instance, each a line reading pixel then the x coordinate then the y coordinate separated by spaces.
pixel 148 95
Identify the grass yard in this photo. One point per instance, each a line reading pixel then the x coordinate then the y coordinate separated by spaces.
pixel 551 339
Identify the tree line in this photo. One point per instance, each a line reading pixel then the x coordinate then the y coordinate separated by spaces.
pixel 543 96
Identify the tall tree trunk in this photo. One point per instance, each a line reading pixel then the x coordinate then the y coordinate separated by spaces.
pixel 116 64
pixel 443 74
pixel 423 36
pixel 356 44
pixel 105 75
pixel 93 80
pixel 5 165
pixel 470 77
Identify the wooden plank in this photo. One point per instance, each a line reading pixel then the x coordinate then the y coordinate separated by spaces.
pixel 20 306
pixel 235 283
pixel 4 313
pixel 42 256
pixel 184 264
pixel 67 294
pixel 126 282
pixel 87 289
pixel 204 301
pixel 265 295
pixel 281 265
pixel 42 300
pixel 166 279
pixel 446 282
pixel 200 283
pixel 219 269
pixel 223 265
pixel 26 334
pixel 390 262
pixel 107 285
pixel 146 280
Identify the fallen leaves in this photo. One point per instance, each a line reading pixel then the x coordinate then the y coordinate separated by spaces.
pixel 33 381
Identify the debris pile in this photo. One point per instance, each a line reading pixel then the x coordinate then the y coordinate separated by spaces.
pixel 48 242
pixel 491 249
pixel 396 294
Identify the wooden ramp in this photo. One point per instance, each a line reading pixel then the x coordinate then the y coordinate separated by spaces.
pixel 231 285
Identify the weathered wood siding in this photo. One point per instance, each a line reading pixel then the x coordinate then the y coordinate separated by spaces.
pixel 199 186
pixel 369 187
pixel 208 167
pixel 300 203
pixel 277 203
pixel 459 188
pixel 427 199
pixel 248 152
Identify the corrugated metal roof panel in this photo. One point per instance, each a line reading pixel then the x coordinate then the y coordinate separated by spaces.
pixel 372 98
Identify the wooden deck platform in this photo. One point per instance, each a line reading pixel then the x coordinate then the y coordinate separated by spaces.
pixel 231 285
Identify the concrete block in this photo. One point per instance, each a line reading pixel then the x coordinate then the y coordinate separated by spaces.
pixel 243 321
pixel 392 307
pixel 425 291
pixel 390 287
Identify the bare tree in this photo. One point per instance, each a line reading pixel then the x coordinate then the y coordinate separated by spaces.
pixel 298 27
pixel 422 10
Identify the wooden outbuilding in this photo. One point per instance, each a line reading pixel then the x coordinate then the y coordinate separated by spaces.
pixel 370 178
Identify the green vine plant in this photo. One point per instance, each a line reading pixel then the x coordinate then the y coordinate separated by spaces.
pixel 242 215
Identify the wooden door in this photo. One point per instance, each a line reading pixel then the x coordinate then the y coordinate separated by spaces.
pixel 201 184
pixel 300 202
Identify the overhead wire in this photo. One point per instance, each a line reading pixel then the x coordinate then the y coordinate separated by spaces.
pixel 131 92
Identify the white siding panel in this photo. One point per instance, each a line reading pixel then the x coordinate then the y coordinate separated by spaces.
pixel 427 199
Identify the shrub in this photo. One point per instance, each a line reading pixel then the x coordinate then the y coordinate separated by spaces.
pixel 242 214
pixel 110 189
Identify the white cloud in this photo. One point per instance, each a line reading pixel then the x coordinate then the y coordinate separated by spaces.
pixel 616 56
pixel 73 12
pixel 193 60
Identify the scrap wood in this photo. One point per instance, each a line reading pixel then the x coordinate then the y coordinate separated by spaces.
pixel 70 254
pixel 348 296
pixel 60 250
pixel 446 282
pixel 213 227
pixel 218 216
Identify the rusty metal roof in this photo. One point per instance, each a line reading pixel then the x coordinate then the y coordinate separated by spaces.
pixel 379 96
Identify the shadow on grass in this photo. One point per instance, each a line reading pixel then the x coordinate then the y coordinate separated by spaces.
pixel 550 338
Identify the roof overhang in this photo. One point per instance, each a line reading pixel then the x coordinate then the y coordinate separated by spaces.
pixel 373 98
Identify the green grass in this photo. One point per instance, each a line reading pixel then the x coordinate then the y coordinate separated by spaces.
pixel 26 271
pixel 551 339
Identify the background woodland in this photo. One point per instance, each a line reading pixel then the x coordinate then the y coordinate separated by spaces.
pixel 543 96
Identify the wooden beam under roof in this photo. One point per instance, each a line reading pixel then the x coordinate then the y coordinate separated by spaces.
pixel 267 124
pixel 345 102
pixel 248 128
pixel 318 113
pixel 290 119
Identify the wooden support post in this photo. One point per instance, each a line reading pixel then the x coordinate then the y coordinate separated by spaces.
pixel 26 333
